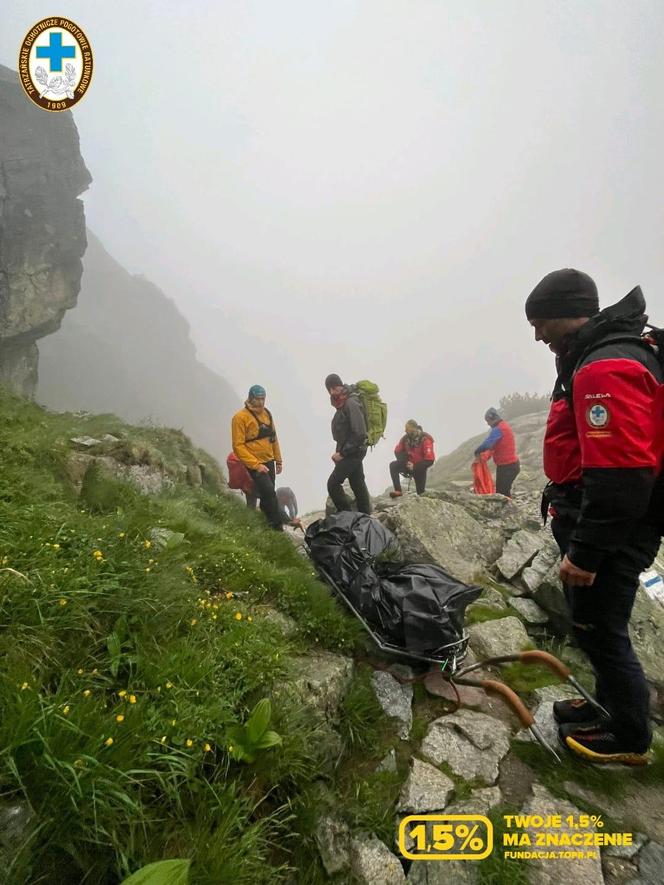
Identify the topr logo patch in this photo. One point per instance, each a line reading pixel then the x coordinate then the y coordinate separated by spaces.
pixel 598 415
pixel 55 64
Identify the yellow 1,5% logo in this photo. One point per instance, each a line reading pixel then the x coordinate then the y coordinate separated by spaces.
pixel 445 837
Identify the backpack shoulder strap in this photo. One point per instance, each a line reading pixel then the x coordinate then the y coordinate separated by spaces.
pixel 618 338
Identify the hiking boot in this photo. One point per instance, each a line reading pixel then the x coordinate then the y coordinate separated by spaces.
pixel 571 728
pixel 396 494
pixel 596 744
pixel 575 711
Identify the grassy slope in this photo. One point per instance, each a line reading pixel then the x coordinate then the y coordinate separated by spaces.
pixel 91 609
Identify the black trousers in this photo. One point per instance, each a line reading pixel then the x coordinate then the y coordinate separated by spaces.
pixel 505 476
pixel 419 474
pixel 352 470
pixel 264 483
pixel 600 619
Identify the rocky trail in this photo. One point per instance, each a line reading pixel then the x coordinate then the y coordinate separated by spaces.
pixel 475 758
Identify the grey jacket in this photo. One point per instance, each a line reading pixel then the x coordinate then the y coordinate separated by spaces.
pixel 349 428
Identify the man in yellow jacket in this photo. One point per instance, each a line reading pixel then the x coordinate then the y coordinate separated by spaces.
pixel 255 443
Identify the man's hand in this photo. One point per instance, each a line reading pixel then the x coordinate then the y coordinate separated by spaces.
pixel 262 469
pixel 337 457
pixel 279 467
pixel 574 576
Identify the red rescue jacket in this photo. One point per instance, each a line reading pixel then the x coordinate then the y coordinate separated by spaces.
pixel 421 452
pixel 504 451
pixel 604 440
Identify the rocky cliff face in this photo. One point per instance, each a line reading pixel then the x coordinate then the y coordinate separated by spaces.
pixel 126 349
pixel 42 228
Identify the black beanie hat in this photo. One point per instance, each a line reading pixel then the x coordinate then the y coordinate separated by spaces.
pixel 333 381
pixel 562 294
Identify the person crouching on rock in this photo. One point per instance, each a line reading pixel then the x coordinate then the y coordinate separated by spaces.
pixel 255 443
pixel 414 455
pixel 349 431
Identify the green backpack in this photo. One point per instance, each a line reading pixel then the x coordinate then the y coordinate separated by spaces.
pixel 375 410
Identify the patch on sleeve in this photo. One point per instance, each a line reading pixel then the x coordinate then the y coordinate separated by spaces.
pixel 598 416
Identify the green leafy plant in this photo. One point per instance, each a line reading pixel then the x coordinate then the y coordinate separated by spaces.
pixel 163 872
pixel 246 741
pixel 118 644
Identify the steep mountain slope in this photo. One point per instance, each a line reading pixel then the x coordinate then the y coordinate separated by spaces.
pixel 126 349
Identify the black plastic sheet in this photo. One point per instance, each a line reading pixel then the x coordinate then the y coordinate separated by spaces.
pixel 418 608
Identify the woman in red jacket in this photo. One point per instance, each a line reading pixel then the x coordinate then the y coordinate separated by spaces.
pixel 415 455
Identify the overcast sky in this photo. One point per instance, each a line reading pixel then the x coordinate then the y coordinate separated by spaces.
pixel 372 188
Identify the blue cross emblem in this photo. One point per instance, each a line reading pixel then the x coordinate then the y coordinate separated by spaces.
pixel 598 415
pixel 55 51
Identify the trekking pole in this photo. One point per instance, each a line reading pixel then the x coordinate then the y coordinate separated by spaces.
pixel 548 660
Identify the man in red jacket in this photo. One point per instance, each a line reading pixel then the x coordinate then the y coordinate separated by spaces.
pixel 603 457
pixel 500 443
pixel 415 455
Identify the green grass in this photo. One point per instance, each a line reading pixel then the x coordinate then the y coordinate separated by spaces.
pixel 524 678
pixel 479 613
pixel 496 869
pixel 124 662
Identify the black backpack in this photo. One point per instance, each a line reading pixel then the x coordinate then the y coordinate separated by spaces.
pixel 652 340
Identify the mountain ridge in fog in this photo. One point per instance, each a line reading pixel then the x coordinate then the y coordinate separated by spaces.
pixel 126 348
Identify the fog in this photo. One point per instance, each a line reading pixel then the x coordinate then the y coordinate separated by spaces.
pixel 372 188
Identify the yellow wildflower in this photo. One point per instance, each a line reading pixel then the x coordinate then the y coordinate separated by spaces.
pixel 207 748
pixel 62 601
pixel 147 544
pixel 163 739
pixel 87 693
pixel 109 742
pixel 121 535
pixel 80 671
pixel 132 698
pixel 249 618
pixel 230 748
pixel 119 717
pixel 169 685
pixel 55 546
pixel 25 685
pixel 122 693
pixel 66 710
pixel 173 721
pixel 189 742
pixel 97 554
pixel 238 616
pixel 147 569
pixel 194 621
pixel 229 595
pixel 214 617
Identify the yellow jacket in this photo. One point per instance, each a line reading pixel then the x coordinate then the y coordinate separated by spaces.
pixel 246 445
